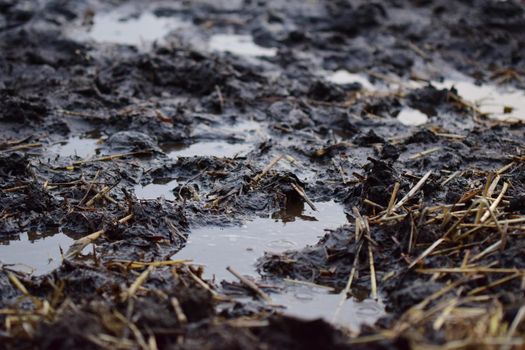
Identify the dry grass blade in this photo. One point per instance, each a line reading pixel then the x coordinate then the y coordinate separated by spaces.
pixel 181 316
pixel 267 169
pixel 424 153
pixel 494 284
pixel 495 204
pixel 426 253
pixel 413 191
pixel 301 192
pixel 16 282
pixel 134 265
pixel 373 279
pixel 113 157
pixel 204 285
pixel 475 270
pixel 22 147
pixel 393 197
pixel 250 285
pixel 132 290
pixel 360 228
pixel 520 315
pixel 83 242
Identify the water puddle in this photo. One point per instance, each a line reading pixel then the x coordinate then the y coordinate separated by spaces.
pixel 497 102
pixel 411 117
pixel 157 189
pixel 293 228
pixel 241 45
pixel 127 27
pixel 207 148
pixel 33 252
pixel 82 147
pixel 219 140
pixel 240 247
pixel 344 77
pixel 310 302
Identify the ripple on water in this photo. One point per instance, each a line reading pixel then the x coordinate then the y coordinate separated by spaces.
pixel 241 246
pixel 309 302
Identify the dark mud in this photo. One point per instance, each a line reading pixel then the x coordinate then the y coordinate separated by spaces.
pixel 230 106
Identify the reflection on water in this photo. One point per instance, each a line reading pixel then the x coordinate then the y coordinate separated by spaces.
pixel 241 45
pixel 219 140
pixel 76 146
pixel 120 28
pixel 293 228
pixel 207 149
pixel 156 190
pixel 344 77
pixel 410 116
pixel 310 302
pixel 34 252
pixel 498 102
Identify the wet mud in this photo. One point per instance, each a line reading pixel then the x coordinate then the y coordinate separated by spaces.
pixel 358 166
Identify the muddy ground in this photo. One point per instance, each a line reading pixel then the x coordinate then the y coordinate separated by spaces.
pixel 449 270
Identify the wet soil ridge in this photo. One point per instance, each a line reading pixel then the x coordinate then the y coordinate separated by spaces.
pixel 115 147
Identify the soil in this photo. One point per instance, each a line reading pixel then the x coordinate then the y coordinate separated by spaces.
pixel 339 142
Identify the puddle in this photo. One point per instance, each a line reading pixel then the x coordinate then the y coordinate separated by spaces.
pixel 411 117
pixel 294 228
pixel 343 77
pixel 156 190
pixel 241 246
pixel 125 27
pixel 309 302
pixel 241 45
pixel 498 102
pixel 76 146
pixel 229 140
pixel 207 148
pixel 33 252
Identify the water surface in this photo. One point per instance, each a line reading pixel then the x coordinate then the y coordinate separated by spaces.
pixel 37 253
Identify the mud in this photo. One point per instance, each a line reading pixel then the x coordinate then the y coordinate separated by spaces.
pixel 148 123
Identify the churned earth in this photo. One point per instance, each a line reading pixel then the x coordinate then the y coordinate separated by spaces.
pixel 262 174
